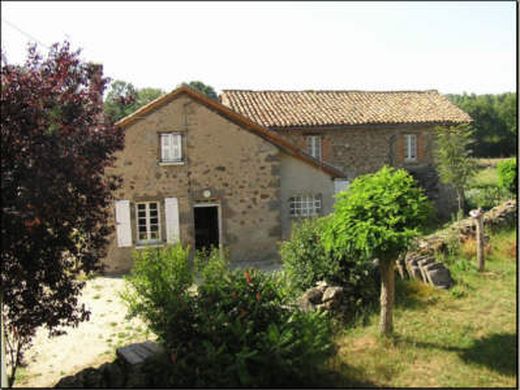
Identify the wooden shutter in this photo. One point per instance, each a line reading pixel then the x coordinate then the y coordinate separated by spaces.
pixel 171 209
pixel 123 225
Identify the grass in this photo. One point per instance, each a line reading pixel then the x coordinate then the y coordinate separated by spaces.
pixel 485 177
pixel 465 336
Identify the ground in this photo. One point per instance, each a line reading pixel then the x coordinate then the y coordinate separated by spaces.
pixel 463 337
pixel 90 344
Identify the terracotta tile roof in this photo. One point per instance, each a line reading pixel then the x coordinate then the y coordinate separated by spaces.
pixel 277 109
pixel 241 120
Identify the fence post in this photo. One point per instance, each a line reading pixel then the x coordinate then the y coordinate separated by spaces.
pixel 477 215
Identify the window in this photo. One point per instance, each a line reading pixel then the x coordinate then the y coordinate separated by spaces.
pixel 304 205
pixel 314 146
pixel 171 147
pixel 410 147
pixel 148 222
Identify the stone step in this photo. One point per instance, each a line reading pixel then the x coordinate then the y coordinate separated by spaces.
pixel 138 353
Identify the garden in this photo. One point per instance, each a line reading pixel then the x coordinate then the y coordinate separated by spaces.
pixel 221 326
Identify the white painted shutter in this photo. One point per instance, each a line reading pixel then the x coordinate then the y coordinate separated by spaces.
pixel 340 185
pixel 176 147
pixel 123 224
pixel 171 209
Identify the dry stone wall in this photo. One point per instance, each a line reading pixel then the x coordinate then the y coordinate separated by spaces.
pixel 421 263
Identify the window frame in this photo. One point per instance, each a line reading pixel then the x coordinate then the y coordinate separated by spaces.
pixel 408 155
pixel 310 203
pixel 171 147
pixel 148 224
pixel 314 146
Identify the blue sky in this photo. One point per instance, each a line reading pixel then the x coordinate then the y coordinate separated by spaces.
pixel 449 46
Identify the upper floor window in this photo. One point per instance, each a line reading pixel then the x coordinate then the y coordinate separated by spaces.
pixel 148 222
pixel 410 147
pixel 304 205
pixel 171 147
pixel 314 146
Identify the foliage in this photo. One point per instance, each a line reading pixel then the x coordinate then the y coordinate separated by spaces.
pixel 235 330
pixel 495 122
pixel 377 217
pixel 507 175
pixel 485 197
pixel 55 148
pixel 123 99
pixel 306 261
pixel 454 162
pixel 201 87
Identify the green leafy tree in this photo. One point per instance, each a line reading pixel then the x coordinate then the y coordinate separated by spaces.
pixel 495 122
pixel 377 218
pixel 123 99
pixel 507 175
pixel 201 87
pixel 454 158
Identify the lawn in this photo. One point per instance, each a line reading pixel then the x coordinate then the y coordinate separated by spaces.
pixel 465 336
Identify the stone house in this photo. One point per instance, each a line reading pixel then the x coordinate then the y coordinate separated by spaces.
pixel 358 131
pixel 197 172
pixel 238 172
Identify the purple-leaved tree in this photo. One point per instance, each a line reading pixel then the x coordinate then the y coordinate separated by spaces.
pixel 56 195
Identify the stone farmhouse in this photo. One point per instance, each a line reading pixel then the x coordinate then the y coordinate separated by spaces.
pixel 237 173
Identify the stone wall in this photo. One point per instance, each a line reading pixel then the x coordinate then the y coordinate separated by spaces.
pixel 421 263
pixel 358 150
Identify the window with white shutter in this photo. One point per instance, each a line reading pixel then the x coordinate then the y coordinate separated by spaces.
pixel 148 222
pixel 171 210
pixel 123 225
pixel 171 147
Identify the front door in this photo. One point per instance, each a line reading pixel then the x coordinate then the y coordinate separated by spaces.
pixel 206 227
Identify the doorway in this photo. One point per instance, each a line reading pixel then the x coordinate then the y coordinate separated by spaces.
pixel 207 232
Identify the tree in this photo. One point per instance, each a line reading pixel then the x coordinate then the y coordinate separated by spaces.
pixel 123 99
pixel 377 218
pixel 201 87
pixel 494 122
pixel 56 195
pixel 454 158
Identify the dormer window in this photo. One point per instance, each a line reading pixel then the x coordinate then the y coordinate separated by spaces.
pixel 314 146
pixel 171 148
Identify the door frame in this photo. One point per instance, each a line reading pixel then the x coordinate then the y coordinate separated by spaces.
pixel 219 222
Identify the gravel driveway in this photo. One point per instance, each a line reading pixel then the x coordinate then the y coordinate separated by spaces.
pixel 90 344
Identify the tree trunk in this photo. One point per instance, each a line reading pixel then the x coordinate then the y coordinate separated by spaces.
pixel 4 369
pixel 387 297
pixel 460 202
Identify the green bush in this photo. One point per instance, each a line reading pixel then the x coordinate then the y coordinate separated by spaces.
pixel 507 175
pixel 237 329
pixel 306 262
pixel 485 197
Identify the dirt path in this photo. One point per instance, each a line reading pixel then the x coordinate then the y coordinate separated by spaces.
pixel 90 344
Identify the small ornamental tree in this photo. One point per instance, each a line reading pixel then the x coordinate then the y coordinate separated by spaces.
pixel 377 218
pixel 454 158
pixel 56 145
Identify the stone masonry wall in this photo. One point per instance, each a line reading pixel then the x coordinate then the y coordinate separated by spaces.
pixel 239 168
pixel 360 150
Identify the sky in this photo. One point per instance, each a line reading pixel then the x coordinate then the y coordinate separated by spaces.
pixel 453 47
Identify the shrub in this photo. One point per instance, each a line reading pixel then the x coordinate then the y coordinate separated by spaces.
pixel 306 261
pixel 485 197
pixel 507 175
pixel 237 329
